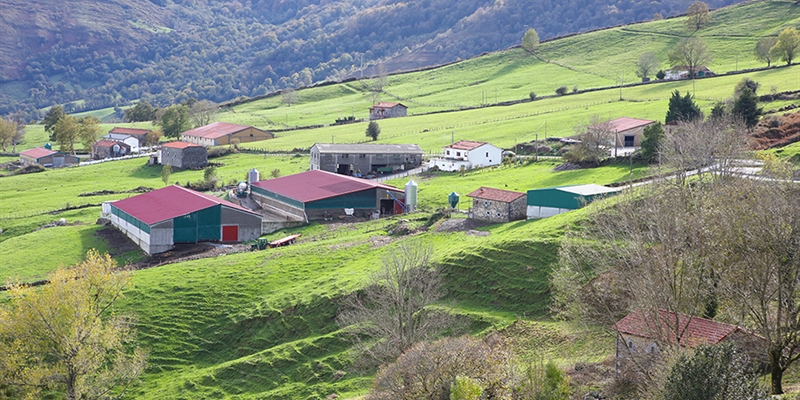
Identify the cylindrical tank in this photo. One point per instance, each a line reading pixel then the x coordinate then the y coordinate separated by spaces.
pixel 253 176
pixel 452 199
pixel 48 146
pixel 115 149
pixel 411 196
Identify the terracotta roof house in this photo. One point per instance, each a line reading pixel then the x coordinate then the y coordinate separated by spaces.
pixel 355 159
pixel 497 205
pixel 159 219
pixel 47 158
pixel 139 134
pixel 387 109
pixel 318 194
pixel 102 149
pixel 183 155
pixel 628 132
pixel 223 133
pixel 466 155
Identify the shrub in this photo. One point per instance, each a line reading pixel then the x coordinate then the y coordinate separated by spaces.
pixel 661 74
pixel 532 95
pixel 575 89
pixel 561 91
pixel 215 152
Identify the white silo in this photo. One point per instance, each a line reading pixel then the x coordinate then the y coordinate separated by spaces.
pixel 253 176
pixel 411 196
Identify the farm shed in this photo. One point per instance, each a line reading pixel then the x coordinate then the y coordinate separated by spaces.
pixel 468 155
pixel 139 134
pixel 131 141
pixel 108 148
pixel 47 158
pixel 556 200
pixel 627 132
pixel 497 205
pixel 184 155
pixel 354 159
pixel 158 220
pixel 222 133
pixel 387 109
pixel 315 195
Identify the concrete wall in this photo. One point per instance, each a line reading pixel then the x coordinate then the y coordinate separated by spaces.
pixel 279 208
pixel 498 211
pixel 158 240
pixel 637 134
pixel 190 157
pixel 387 112
pixel 451 165
pixel 364 162
pixel 249 224
pixel 485 156
pixel 248 135
pixel 544 212
pixel 102 152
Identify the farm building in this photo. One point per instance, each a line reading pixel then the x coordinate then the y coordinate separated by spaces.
pixel 139 134
pixel 627 132
pixel 354 159
pixel 468 155
pixel 108 148
pixel 556 200
pixel 47 158
pixel 158 220
pixel 315 195
pixel 682 72
pixel 497 205
pixel 131 141
pixel 386 109
pixel 184 155
pixel 223 133
pixel 643 336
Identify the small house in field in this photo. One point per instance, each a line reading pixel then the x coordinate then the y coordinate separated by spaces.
pixel 682 72
pixel 556 200
pixel 387 109
pixel 131 141
pixel 355 159
pixel 643 336
pixel 47 158
pixel 139 134
pixel 102 149
pixel 223 133
pixel 317 195
pixel 628 132
pixel 467 155
pixel 497 205
pixel 159 219
pixel 184 155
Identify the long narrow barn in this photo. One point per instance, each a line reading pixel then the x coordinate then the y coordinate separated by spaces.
pixel 158 220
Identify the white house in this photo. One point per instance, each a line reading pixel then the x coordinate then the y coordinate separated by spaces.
pixel 467 155
pixel 127 139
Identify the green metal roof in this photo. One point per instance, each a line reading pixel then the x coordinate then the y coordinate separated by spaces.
pixel 568 197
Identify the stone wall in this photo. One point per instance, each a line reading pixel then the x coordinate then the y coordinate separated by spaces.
pixel 499 211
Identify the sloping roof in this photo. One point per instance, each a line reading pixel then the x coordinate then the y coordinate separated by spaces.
pixel 170 202
pixel 317 185
pixel 369 148
pixel 505 196
pixel 671 327
pixel 387 104
pixel 465 145
pixel 180 145
pixel 118 136
pixel 588 189
pixel 129 131
pixel 37 152
pixel 624 123
pixel 215 130
pixel 108 143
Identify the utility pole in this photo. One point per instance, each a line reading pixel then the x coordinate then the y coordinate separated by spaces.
pixel 452 137
pixel 537 147
pixel 621 82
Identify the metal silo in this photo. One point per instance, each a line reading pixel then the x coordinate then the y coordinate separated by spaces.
pixel 452 199
pixel 411 196
pixel 253 176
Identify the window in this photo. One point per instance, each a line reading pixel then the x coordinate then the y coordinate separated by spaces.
pixel 485 203
pixel 362 156
pixel 458 154
pixel 487 154
pixel 345 155
pixel 651 349
pixel 631 346
pixel 488 213
pixel 448 152
pixel 499 215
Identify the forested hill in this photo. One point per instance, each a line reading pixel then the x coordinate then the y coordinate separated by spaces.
pixel 108 53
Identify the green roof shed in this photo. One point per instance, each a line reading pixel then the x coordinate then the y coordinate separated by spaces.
pixel 565 198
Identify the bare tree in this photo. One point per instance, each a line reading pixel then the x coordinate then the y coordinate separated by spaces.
pixel 203 112
pixel 690 53
pixel 596 138
pixel 288 97
pixel 392 313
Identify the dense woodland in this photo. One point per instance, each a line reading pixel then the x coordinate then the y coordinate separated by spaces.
pixel 221 51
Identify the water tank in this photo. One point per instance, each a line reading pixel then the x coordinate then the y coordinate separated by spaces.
pixel 48 146
pixel 253 176
pixel 242 187
pixel 411 196
pixel 452 199
pixel 115 149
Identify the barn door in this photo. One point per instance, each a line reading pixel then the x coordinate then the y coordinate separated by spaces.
pixel 230 233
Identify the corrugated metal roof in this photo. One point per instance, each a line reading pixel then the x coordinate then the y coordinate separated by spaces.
pixel 505 196
pixel 215 130
pixel 671 327
pixel 180 145
pixel 588 189
pixel 465 145
pixel 37 152
pixel 129 131
pixel 317 185
pixel 369 148
pixel 170 202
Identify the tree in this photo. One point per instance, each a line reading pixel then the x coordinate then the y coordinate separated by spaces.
pixel 661 74
pixel 373 130
pixel 141 112
pixel 203 112
pixel 7 132
pixel 745 83
pixel 392 314
pixel 596 138
pixel 719 111
pixel 51 119
pixel 562 90
pixel 88 131
pixel 429 370
pixel 745 107
pixel 154 136
pixel 19 124
pixel 65 338
pixel 647 64
pixel 543 382
pixel 166 171
pixel 653 135
pixel 787 45
pixel 210 175
pixel 174 120
pixel 66 131
pixel 530 41
pixel 690 53
pixel 697 15
pixel 288 97
pixel 763 49
pixel 682 109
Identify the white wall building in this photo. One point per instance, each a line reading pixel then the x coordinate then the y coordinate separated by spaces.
pixel 127 139
pixel 469 155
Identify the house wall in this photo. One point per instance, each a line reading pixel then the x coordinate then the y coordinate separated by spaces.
pixel 498 211
pixel 249 224
pixel 248 135
pixel 384 112
pixel 26 160
pixel 101 152
pixel 190 157
pixel 637 134
pixel 450 165
pixel 364 162
pixel 645 351
pixel 202 141
pixel 544 212
pixel 485 156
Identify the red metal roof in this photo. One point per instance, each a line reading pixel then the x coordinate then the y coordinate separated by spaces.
pixel 317 185
pixel 465 145
pixel 170 202
pixel 37 152
pixel 215 130
pixel 624 123
pixel 108 143
pixel 506 196
pixel 692 331
pixel 180 145
pixel 129 131
pixel 387 104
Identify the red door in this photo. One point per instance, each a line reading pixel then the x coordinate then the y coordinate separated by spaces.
pixel 398 208
pixel 230 233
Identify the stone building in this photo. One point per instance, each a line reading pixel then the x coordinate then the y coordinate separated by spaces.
pixel 183 155
pixel 386 109
pixel 355 159
pixel 108 148
pixel 497 205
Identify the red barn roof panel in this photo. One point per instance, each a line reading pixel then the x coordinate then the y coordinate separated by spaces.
pixel 317 185
pixel 170 202
pixel 215 130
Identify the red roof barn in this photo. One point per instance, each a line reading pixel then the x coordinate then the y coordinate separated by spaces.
pixel 223 133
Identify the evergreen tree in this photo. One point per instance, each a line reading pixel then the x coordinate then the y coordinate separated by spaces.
pixel 653 135
pixel 682 109
pixel 373 130
pixel 746 108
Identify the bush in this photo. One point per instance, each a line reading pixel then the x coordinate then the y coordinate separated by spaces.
pixel 661 74
pixel 532 95
pixel 215 152
pixel 575 89
pixel 561 91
